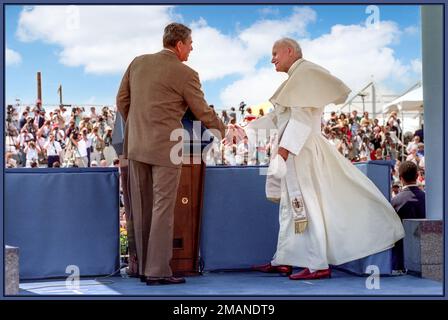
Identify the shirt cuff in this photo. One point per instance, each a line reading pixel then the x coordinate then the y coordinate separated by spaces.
pixel 294 137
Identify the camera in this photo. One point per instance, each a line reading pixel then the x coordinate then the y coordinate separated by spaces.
pixel 9 113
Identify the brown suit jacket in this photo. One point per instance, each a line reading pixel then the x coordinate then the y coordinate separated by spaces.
pixel 154 94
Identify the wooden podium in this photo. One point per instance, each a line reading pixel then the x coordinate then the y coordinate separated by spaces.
pixel 187 213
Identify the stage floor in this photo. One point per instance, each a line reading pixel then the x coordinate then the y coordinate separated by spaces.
pixel 239 284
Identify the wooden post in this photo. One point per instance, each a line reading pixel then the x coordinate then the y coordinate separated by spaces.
pixel 60 94
pixel 39 87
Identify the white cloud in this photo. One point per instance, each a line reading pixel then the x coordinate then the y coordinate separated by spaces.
pixel 261 35
pixel 355 53
pixel 269 11
pixel 12 57
pixel 216 55
pixel 416 65
pixel 411 30
pixel 102 39
pixel 254 88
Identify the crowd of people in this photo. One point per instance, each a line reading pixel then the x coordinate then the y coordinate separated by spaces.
pixel 63 137
pixel 80 138
pixel 358 138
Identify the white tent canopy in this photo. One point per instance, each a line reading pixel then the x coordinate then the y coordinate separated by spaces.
pixel 411 101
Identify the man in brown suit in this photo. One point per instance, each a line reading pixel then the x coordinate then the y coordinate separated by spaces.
pixel 154 94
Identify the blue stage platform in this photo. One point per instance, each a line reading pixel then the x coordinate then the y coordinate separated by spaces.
pixel 240 227
pixel 62 217
pixel 240 284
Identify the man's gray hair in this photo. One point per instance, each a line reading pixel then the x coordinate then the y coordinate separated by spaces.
pixel 175 32
pixel 290 43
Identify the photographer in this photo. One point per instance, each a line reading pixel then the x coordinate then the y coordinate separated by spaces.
pixel 32 153
pixel 53 150
pixel 31 126
pixel 58 118
pixel 109 151
pixel 23 119
pixel 79 149
pixel 242 108
pixel 12 147
pixel 97 145
pixel 11 119
pixel 44 131
pixel 71 128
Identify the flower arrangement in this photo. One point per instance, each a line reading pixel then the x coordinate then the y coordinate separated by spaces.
pixel 123 241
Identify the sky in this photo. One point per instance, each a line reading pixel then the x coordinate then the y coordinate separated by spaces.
pixel 86 49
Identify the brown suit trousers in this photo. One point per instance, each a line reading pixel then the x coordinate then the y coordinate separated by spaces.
pixel 153 198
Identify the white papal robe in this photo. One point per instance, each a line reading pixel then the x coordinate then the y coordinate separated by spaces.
pixel 348 217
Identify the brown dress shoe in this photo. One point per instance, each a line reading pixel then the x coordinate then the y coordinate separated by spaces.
pixel 269 268
pixel 168 280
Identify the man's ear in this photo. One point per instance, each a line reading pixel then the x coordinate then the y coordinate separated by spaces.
pixel 290 51
pixel 178 44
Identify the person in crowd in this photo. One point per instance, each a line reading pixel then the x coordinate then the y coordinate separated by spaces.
pixel 409 204
pixel 413 156
pixel 53 150
pixel 109 152
pixel 419 133
pixel 366 122
pixel 23 120
pixel 354 116
pixel 249 116
pixel 413 144
pixel 395 190
pixel 80 149
pixel 93 114
pixel 94 163
pixel 31 152
pixel 10 162
pixel 97 145
pixel 232 113
pixel 224 117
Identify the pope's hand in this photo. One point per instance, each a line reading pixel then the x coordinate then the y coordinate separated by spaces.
pixel 277 167
pixel 283 153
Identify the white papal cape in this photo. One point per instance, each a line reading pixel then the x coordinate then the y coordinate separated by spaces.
pixel 348 217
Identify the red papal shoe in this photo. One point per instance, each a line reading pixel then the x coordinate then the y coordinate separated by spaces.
pixel 269 268
pixel 305 274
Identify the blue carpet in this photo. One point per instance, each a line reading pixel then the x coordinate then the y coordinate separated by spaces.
pixel 240 284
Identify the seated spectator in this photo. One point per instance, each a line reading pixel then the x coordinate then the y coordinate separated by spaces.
pixel 421 179
pixel 421 150
pixel 413 155
pixel 409 204
pixel 377 154
pixel 249 116
pixel 10 162
pixel 395 190
pixel 413 144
